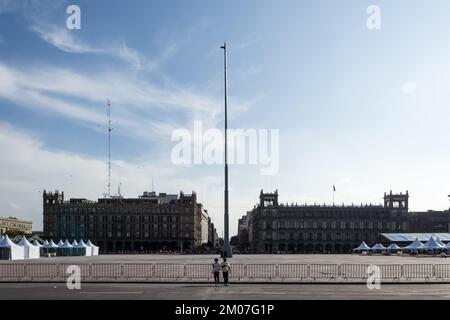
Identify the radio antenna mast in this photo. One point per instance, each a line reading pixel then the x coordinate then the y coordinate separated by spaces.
pixel 108 111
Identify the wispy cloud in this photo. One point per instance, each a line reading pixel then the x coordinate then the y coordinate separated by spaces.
pixel 2 41
pixel 143 109
pixel 65 40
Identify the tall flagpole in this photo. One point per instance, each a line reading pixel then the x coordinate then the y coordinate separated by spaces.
pixel 226 249
pixel 108 103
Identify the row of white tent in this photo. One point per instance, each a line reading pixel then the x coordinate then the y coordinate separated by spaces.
pixel 26 250
pixel 431 245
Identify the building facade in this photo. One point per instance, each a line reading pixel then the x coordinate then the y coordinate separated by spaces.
pixel 273 227
pixel 213 239
pixel 429 222
pixel 243 231
pixel 15 225
pixel 149 223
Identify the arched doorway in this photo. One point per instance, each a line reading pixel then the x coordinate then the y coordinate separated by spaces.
pixel 146 246
pixel 119 246
pixel 109 246
pixel 173 246
pixel 164 246
pixel 186 246
pixel 318 248
pixel 137 246
pixel 101 247
pixel 291 247
pixel 337 248
pixel 347 248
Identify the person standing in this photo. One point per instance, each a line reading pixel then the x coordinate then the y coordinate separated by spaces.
pixel 226 269
pixel 216 271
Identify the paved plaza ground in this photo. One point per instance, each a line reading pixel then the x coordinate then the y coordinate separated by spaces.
pixel 24 291
pixel 246 259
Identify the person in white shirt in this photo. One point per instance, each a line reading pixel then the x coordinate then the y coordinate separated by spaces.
pixel 216 271
pixel 226 268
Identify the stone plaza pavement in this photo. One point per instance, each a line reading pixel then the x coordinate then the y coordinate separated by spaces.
pixel 244 259
pixel 165 291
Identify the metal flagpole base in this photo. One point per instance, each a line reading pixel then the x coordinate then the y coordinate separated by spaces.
pixel 226 252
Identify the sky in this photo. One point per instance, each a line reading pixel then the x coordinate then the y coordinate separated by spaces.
pixel 363 109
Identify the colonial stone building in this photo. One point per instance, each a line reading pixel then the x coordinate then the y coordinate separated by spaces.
pixel 274 227
pixel 213 239
pixel 15 225
pixel 148 223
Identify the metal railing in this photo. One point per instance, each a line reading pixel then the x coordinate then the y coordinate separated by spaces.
pixel 239 272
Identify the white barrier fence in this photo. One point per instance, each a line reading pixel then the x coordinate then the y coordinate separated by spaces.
pixel 239 272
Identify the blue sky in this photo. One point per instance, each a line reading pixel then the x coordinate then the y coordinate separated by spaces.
pixel 366 110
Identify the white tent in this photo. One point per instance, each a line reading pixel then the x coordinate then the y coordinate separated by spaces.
pixel 66 249
pixel 416 245
pixel 10 251
pixel 432 245
pixel 41 248
pixel 362 247
pixel 60 243
pixel 50 247
pixel 438 241
pixel 30 251
pixel 393 247
pixel 94 248
pixel 45 243
pixel 378 247
pixel 74 243
pixel 37 244
pixel 83 249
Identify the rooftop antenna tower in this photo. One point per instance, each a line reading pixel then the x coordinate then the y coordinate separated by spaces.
pixel 108 111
